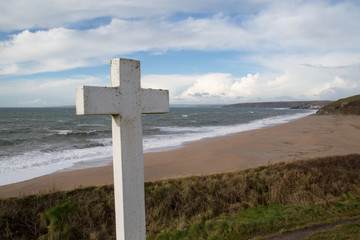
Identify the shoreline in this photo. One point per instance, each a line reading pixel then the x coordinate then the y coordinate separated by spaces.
pixel 95 152
pixel 309 137
pixel 97 156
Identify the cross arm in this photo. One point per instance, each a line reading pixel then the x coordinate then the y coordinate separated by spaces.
pixel 154 101
pixel 97 100
pixel 107 100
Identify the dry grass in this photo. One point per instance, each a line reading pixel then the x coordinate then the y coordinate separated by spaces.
pixel 344 106
pixel 178 204
pixel 171 204
pixel 45 216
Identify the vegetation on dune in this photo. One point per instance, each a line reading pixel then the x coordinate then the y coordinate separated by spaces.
pixel 249 203
pixel 79 214
pixel 344 106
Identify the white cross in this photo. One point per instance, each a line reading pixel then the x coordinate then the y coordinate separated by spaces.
pixel 125 101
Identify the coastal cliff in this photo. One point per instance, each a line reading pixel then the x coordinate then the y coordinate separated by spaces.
pixel 344 106
pixel 286 104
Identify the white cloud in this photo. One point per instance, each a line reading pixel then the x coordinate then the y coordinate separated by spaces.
pixel 246 86
pixel 59 48
pixel 9 68
pixel 213 88
pixel 304 49
pixel 47 92
pixel 175 83
pixel 337 87
pixel 308 25
pixel 32 102
pixel 24 14
pixel 220 88
pixel 299 29
pixel 209 86
pixel 297 83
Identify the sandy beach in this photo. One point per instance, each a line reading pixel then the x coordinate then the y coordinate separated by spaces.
pixel 309 137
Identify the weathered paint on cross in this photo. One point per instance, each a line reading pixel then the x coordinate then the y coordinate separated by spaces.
pixel 125 101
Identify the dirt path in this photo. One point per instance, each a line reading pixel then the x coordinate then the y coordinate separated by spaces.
pixel 303 233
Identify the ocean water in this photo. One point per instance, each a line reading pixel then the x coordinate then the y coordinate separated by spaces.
pixel 39 141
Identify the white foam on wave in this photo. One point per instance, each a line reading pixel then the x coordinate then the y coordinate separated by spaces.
pixel 90 125
pixel 36 163
pixel 184 135
pixel 63 132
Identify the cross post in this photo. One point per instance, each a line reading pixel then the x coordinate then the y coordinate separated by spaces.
pixel 125 100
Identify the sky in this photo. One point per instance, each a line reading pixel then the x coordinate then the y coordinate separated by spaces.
pixel 203 51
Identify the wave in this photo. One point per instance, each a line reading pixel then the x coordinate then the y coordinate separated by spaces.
pixel 63 132
pixel 75 133
pixel 90 125
pixel 175 129
pixel 13 142
pixel 182 135
pixel 90 145
pixel 36 163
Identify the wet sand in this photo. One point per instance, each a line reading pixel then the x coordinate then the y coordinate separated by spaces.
pixel 309 137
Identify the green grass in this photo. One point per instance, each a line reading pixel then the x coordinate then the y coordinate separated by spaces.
pixel 55 220
pixel 79 214
pixel 267 220
pixel 349 231
pixel 253 202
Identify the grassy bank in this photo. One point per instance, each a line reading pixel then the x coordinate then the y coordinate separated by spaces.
pixel 237 205
pixel 344 106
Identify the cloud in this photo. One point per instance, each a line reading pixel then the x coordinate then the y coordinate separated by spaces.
pixel 175 83
pixel 294 84
pixel 307 25
pixel 214 88
pixel 220 88
pixel 60 48
pixel 47 92
pixel 211 85
pixel 49 13
pixel 298 29
pixel 300 49
pixel 36 101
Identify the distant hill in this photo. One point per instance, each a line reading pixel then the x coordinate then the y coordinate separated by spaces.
pixel 289 104
pixel 344 106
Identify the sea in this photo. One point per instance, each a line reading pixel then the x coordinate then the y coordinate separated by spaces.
pixel 40 141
